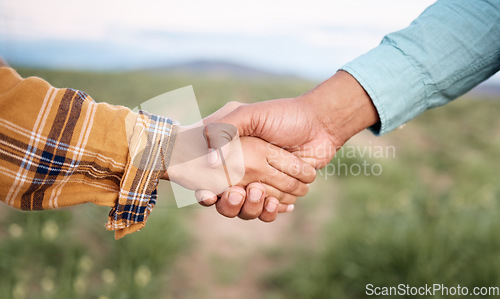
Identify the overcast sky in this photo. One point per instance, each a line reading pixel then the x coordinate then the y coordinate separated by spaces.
pixel 310 38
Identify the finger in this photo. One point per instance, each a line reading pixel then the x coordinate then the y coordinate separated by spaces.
pixel 290 164
pixel 282 197
pixel 205 198
pixel 252 208
pixel 231 201
pixel 270 210
pixel 284 182
pixel 285 208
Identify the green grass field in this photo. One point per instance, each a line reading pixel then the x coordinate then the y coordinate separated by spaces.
pixel 430 216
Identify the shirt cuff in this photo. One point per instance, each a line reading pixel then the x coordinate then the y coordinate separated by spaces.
pixel 394 83
pixel 151 142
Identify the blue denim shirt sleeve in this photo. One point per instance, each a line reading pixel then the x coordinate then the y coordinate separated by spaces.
pixel 450 48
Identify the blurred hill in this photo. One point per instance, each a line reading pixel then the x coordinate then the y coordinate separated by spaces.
pixel 218 68
pixel 221 69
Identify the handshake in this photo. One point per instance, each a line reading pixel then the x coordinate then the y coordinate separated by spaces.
pixel 268 152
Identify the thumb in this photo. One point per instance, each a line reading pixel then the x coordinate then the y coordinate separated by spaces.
pixel 245 118
pixel 242 116
pixel 231 120
pixel 218 137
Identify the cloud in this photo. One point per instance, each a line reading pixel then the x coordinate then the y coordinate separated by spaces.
pixel 93 19
pixel 311 38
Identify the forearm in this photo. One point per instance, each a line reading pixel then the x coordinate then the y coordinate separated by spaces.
pixel 449 49
pixel 343 106
pixel 54 145
pixel 59 148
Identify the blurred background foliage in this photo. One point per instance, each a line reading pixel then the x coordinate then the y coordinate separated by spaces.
pixel 430 217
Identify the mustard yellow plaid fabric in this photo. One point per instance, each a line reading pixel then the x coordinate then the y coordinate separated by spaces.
pixel 59 148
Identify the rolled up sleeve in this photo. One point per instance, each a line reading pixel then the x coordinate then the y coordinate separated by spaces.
pixel 59 148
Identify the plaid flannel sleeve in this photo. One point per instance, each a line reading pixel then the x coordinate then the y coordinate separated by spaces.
pixel 59 148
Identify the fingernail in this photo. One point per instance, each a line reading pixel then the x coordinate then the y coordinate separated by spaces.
pixel 290 208
pixel 204 198
pixel 213 156
pixel 255 195
pixel 271 207
pixel 235 198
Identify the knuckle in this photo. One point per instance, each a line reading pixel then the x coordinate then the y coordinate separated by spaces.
pixel 275 193
pixel 291 185
pixel 295 168
pixel 258 185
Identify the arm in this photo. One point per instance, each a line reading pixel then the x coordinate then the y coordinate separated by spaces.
pixel 453 46
pixel 450 48
pixel 312 126
pixel 59 148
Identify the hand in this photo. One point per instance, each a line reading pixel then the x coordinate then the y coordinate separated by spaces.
pixel 313 126
pixel 252 203
pixel 283 175
pixel 189 167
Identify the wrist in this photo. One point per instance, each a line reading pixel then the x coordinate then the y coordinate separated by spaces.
pixel 342 106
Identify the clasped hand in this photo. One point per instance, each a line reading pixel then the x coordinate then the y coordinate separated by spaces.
pixel 296 136
pixel 273 177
